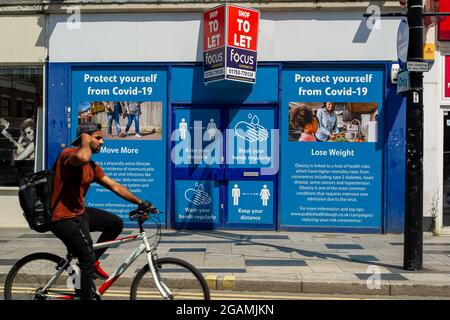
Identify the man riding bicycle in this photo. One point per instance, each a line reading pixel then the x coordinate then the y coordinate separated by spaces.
pixel 72 221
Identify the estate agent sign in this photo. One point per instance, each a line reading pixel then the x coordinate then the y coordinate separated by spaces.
pixel 230 41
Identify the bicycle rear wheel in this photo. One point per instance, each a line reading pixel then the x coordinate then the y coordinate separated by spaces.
pixel 31 273
pixel 183 280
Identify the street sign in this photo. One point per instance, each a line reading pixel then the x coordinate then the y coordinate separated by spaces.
pixel 402 42
pixel 403 83
pixel 429 50
pixel 417 66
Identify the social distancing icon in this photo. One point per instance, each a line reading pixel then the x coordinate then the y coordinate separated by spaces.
pixel 236 193
pixel 183 127
pixel 265 195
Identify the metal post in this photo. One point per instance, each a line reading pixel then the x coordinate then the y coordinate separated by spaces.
pixel 413 243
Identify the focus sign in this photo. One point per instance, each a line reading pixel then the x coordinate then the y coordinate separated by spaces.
pixel 214 44
pixel 230 41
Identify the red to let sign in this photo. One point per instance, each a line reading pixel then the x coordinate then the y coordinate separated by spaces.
pixel 242 27
pixel 444 24
pixel 230 42
pixel 214 28
pixel 447 78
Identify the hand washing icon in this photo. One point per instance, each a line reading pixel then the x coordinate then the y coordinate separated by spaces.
pixel 251 131
pixel 197 196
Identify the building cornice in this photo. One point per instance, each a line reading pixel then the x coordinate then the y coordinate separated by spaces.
pixel 191 6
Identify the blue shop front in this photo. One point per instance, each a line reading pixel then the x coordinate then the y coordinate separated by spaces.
pixel 232 155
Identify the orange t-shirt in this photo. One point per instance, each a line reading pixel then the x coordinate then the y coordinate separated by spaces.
pixel 76 181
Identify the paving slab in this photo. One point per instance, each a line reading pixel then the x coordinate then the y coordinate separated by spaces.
pixel 224 260
pixel 219 248
pixel 323 266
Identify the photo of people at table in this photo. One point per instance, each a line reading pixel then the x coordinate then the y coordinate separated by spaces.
pixel 333 122
pixel 130 120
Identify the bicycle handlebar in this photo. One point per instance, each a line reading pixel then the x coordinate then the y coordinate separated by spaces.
pixel 142 215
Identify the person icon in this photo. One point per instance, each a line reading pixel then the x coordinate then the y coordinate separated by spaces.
pixel 183 128
pixel 265 195
pixel 211 130
pixel 235 193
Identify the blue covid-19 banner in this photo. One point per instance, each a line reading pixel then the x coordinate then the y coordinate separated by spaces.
pixel 130 104
pixel 331 170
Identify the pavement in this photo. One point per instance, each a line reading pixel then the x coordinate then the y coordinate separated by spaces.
pixel 270 261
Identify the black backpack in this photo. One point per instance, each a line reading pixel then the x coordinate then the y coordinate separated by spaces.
pixel 35 194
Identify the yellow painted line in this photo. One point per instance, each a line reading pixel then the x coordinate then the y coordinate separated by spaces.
pixel 214 296
pixel 242 297
pixel 259 296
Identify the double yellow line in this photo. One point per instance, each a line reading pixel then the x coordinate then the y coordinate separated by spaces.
pixel 193 295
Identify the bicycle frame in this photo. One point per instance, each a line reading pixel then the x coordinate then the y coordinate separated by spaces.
pixel 144 247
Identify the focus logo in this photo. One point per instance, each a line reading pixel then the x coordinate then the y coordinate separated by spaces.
pixel 214 58
pixel 236 57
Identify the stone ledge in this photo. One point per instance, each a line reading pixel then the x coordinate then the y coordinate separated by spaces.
pixel 12 7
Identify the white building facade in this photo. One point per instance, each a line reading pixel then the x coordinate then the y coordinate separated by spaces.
pixel 166 38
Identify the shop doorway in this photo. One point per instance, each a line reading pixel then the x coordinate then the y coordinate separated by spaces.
pixel 219 154
pixel 446 171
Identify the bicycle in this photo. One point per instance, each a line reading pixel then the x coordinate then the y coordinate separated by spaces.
pixel 42 275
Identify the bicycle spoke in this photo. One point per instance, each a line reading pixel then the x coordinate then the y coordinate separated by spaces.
pixel 183 281
pixel 31 274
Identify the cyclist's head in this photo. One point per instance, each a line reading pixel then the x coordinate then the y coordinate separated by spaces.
pixel 94 130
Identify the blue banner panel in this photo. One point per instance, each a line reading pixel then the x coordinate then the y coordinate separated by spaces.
pixel 332 148
pixel 131 106
pixel 249 138
pixel 197 202
pixel 250 202
pixel 187 87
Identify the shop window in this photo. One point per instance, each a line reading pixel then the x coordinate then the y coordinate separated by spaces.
pixel 18 108
pixel 5 107
pixel 21 89
pixel 29 109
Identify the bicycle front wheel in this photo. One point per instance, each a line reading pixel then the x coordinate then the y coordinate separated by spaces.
pixel 32 273
pixel 182 279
